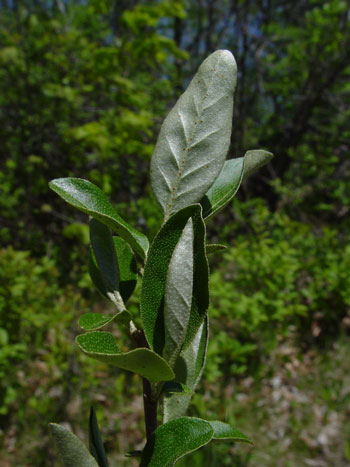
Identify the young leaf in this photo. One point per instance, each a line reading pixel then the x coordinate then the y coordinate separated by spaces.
pixel 213 248
pixel 178 295
pixel 174 440
pixel 101 345
pixel 188 371
pixel 88 198
pixel 106 258
pixel 93 321
pixel 155 275
pixel 127 270
pixel 225 431
pixel 72 451
pixel 195 136
pixel 234 172
pixel 95 441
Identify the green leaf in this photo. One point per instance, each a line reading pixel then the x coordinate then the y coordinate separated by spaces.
pixel 155 275
pixel 195 136
pixel 254 160
pixel 228 182
pixel 178 295
pixel 214 247
pixel 225 431
pixel 88 198
pixel 72 451
pixel 101 345
pixel 95 441
pixel 174 440
pixel 106 258
pixel 93 321
pixel 188 371
pixel 173 387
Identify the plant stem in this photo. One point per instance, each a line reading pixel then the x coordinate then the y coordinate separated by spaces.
pixel 150 402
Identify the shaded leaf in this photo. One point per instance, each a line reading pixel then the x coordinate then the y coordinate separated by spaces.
pixel 195 136
pixel 174 440
pixel 178 295
pixel 95 441
pixel 101 345
pixel 214 247
pixel 88 198
pixel 73 452
pixel 173 387
pixel 225 431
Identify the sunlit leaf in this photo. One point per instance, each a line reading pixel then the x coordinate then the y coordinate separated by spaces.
pixel 225 431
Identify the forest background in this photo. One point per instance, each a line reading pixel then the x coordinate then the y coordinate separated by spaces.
pixel 84 87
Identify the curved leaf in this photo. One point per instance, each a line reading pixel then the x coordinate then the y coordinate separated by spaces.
pixel 174 440
pixel 101 345
pixel 73 452
pixel 95 440
pixel 178 295
pixel 225 431
pixel 93 321
pixel 188 371
pixel 214 247
pixel 155 275
pixel 195 136
pixel 233 173
pixel 88 198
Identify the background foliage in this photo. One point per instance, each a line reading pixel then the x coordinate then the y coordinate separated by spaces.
pixel 84 87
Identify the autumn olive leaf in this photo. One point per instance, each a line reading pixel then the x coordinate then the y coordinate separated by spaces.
pixel 156 272
pixel 188 371
pixel 95 441
pixel 93 321
pixel 214 248
pixel 173 387
pixel 225 431
pixel 195 136
pixel 89 199
pixel 233 173
pixel 174 440
pixel 72 451
pixel 101 345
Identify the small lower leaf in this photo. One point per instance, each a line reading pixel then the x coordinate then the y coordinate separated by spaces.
pixel 73 452
pixel 225 431
pixel 101 345
pixel 174 440
pixel 95 441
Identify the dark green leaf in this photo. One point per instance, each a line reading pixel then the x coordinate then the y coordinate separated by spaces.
pixel 93 321
pixel 188 371
pixel 195 136
pixel 102 346
pixel 72 451
pixel 155 275
pixel 214 247
pixel 174 440
pixel 95 441
pixel 225 431
pixel 90 199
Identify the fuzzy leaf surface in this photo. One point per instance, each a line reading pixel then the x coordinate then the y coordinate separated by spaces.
pixel 174 440
pixel 225 431
pixel 89 199
pixel 155 275
pixel 101 345
pixel 93 321
pixel 195 136
pixel 178 295
pixel 254 160
pixel 95 440
pixel 73 452
pixel 188 371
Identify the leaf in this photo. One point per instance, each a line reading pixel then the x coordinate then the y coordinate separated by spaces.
pixel 88 198
pixel 72 451
pixel 92 321
pixel 195 136
pixel 173 387
pixel 95 441
pixel 174 440
pixel 178 295
pixel 106 258
pixel 213 248
pixel 155 275
pixel 233 173
pixel 188 371
pixel 101 345
pixel 254 160
pixel 225 431
pixel 127 270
